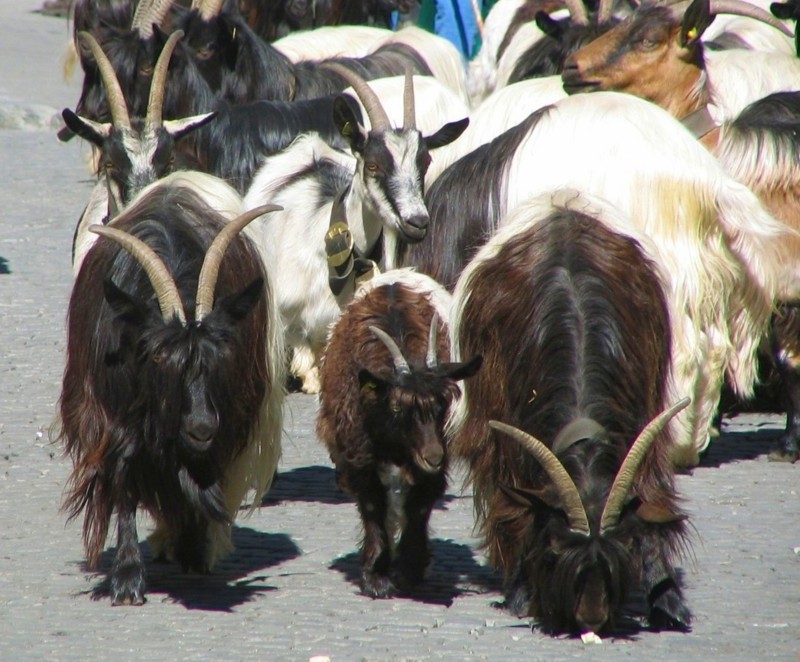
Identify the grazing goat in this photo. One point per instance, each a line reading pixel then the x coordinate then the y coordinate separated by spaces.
pixel 717 241
pixel 386 389
pixel 133 152
pixel 171 402
pixel 569 312
pixel 383 205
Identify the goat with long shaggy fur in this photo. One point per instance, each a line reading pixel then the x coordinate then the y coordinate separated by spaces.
pixel 173 386
pixel 569 312
pixel 383 401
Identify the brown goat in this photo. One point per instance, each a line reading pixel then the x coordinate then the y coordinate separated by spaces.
pixel 383 401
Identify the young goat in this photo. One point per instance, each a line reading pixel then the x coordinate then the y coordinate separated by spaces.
pixel 568 310
pixel 171 401
pixel 383 401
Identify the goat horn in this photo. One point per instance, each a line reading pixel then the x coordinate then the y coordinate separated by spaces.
pixel 148 13
pixel 400 363
pixel 213 259
pixel 116 100
pixel 573 506
pixel 375 111
pixel 158 86
pixel 577 11
pixel 627 472
pixel 208 9
pixel 409 107
pixel 740 8
pixel 169 300
pixel 431 359
pixel 604 11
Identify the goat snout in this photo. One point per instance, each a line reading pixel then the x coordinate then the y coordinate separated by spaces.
pixel 430 458
pixel 574 78
pixel 415 228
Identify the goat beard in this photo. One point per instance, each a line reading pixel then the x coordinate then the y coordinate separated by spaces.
pixel 208 500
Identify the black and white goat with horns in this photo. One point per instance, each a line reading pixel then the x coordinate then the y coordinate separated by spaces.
pixel 134 152
pixel 380 186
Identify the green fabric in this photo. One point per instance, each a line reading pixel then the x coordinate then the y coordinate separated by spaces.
pixel 427 15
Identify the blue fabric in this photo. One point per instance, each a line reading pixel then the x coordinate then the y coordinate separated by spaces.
pixel 455 21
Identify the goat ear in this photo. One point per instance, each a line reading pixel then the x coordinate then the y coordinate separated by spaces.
pixel 656 514
pixel 696 20
pixel 95 132
pixel 179 128
pixel 447 134
pixel 368 381
pixel 348 123
pixel 125 307
pixel 236 306
pixel 783 10
pixel 459 371
pixel 528 498
pixel 551 27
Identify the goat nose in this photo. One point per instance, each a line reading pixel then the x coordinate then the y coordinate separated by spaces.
pixel 201 434
pixel 416 227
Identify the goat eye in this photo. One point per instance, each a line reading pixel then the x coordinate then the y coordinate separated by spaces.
pixel 205 53
pixel 372 167
pixel 646 44
pixel 146 71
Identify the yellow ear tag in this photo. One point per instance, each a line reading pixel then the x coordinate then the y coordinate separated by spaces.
pixel 347 130
pixel 369 386
pixel 692 34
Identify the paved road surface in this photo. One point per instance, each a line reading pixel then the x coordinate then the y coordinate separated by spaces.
pixel 289 592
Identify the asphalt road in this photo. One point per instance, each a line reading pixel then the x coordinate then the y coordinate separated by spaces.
pixel 290 590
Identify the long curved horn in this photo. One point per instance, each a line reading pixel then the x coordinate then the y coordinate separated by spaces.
pixel 116 100
pixel 147 13
pixel 372 104
pixel 573 506
pixel 208 9
pixel 158 85
pixel 400 363
pixel 431 359
pixel 740 8
pixel 169 299
pixel 627 472
pixel 577 11
pixel 209 272
pixel 409 107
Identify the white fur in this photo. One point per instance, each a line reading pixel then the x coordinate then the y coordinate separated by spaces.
pixel 715 240
pixel 331 41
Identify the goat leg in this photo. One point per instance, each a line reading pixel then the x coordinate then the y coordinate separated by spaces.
pixel 413 550
pixel 668 610
pixel 375 548
pixel 787 361
pixel 127 573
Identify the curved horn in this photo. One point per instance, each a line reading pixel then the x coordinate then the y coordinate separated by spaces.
pixel 169 299
pixel 375 111
pixel 116 100
pixel 573 506
pixel 208 9
pixel 158 85
pixel 211 263
pixel 627 472
pixel 604 12
pixel 400 363
pixel 578 13
pixel 740 8
pixel 431 359
pixel 148 13
pixel 409 109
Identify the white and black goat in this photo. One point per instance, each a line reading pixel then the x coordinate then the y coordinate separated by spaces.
pixel 565 430
pixel 173 387
pixel 386 387
pixel 133 152
pixel 381 188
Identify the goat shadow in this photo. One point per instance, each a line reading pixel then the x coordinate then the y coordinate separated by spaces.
pixel 4 268
pixel 316 484
pixel 227 586
pixel 453 573
pixel 737 445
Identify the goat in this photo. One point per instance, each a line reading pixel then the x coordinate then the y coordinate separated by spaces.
pixel 133 152
pixel 382 203
pixel 170 403
pixel 384 396
pixel 569 311
pixel 654 171
pixel 657 54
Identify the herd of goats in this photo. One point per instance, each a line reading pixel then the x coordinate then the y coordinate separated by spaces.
pixel 546 263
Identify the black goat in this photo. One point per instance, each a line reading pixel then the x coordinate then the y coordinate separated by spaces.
pixel 383 401
pixel 170 402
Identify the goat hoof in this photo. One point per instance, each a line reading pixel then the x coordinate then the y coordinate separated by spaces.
pixel 377 586
pixel 669 612
pixel 127 586
pixel 786 449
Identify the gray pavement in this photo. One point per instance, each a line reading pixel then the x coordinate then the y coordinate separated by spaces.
pixel 289 592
